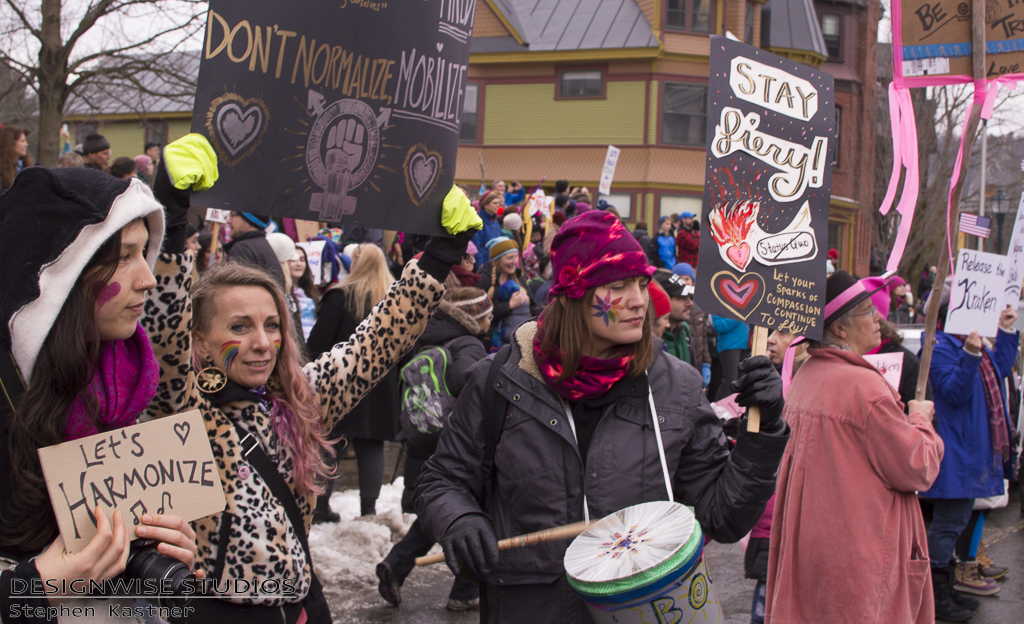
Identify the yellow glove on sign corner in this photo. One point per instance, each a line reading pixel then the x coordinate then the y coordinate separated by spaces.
pixel 191 163
pixel 457 213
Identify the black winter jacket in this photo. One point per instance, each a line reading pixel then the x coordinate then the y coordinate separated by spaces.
pixel 253 249
pixel 539 479
pixel 460 334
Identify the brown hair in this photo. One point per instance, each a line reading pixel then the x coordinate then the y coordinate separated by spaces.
pixel 295 409
pixel 9 135
pixel 63 369
pixel 889 332
pixel 566 329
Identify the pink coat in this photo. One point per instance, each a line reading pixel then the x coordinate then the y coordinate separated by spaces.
pixel 848 543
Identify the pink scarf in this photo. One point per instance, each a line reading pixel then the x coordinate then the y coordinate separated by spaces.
pixel 592 378
pixel 122 387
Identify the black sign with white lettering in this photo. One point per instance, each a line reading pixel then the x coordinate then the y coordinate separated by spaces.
pixel 767 189
pixel 340 112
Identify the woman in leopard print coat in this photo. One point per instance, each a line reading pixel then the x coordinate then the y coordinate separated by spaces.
pixel 228 349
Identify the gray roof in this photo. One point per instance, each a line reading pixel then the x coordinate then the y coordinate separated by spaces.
pixel 791 25
pixel 570 25
pixel 169 88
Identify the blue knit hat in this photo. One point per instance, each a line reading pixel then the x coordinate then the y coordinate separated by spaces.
pixel 684 268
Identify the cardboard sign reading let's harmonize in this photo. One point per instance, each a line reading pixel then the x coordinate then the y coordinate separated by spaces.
pixel 976 298
pixel 336 112
pixel 767 188
pixel 164 466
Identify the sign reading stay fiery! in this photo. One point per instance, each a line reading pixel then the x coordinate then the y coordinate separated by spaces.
pixel 339 112
pixel 767 187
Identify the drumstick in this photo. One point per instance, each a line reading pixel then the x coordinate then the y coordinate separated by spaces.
pixel 521 541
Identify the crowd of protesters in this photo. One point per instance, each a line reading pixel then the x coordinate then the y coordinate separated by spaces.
pixel 311 379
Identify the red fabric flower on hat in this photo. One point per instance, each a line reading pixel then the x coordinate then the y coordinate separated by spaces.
pixel 571 282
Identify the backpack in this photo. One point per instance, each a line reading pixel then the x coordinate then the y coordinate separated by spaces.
pixel 426 400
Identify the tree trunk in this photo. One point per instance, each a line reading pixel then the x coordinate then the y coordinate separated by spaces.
pixel 53 83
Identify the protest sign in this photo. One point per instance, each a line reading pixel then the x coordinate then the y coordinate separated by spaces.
pixel 1015 260
pixel 771 124
pixel 164 466
pixel 314 256
pixel 932 41
pixel 214 215
pixel 976 299
pixel 345 112
pixel 611 159
pixel 889 364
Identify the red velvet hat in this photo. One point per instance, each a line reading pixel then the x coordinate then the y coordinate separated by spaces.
pixel 594 249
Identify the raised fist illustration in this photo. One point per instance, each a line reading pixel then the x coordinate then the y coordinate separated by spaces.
pixel 345 145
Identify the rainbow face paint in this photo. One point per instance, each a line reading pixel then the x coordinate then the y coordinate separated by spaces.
pixel 607 308
pixel 277 345
pixel 106 292
pixel 228 352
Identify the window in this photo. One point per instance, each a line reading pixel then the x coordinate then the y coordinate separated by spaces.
pixel 468 125
pixel 839 125
pixel 688 15
pixel 156 132
pixel 581 84
pixel 623 203
pixel 678 204
pixel 748 23
pixel 684 116
pixel 831 30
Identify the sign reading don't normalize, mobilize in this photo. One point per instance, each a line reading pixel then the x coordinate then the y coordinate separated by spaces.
pixel 340 112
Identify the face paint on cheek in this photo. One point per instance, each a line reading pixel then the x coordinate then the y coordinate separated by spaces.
pixel 228 351
pixel 106 292
pixel 607 308
pixel 277 345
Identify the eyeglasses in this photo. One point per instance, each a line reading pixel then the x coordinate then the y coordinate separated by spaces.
pixel 872 312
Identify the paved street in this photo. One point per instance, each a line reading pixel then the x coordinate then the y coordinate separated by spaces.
pixel 425 592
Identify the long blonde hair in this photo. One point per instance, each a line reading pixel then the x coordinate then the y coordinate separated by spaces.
pixel 368 281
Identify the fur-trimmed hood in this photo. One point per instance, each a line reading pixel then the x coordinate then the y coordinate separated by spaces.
pixel 448 323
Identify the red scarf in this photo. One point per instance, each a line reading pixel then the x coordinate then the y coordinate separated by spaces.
pixel 122 387
pixel 466 278
pixel 591 379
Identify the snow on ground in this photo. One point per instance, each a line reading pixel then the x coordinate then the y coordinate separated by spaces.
pixel 352 548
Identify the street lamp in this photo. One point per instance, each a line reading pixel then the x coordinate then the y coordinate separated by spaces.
pixel 1000 206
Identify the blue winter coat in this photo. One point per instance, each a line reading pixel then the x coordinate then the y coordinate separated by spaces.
pixel 970 468
pixel 731 334
pixel 667 250
pixel 491 229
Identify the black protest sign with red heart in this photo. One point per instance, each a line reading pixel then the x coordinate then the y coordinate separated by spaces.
pixel 767 190
pixel 337 112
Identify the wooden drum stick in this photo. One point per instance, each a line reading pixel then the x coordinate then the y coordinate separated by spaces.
pixel 521 541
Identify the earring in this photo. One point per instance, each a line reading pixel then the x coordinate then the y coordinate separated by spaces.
pixel 211 379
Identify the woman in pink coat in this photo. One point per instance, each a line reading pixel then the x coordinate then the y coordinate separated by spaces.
pixel 848 543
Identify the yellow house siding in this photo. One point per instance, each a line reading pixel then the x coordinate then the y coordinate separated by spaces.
pixel 178 128
pixel 127 138
pixel 650 210
pixel 652 115
pixel 528 114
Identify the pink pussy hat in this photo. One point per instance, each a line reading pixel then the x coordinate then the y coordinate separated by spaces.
pixel 594 249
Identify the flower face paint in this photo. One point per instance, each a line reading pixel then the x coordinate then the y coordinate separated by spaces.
pixel 607 308
pixel 228 351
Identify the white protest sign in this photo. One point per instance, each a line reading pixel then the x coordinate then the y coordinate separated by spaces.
pixel 164 466
pixel 976 298
pixel 889 364
pixel 1015 260
pixel 217 216
pixel 314 256
pixel 773 88
pixel 608 171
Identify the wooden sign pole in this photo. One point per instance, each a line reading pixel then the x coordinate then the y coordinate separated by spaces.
pixel 970 133
pixel 758 346
pixel 213 243
pixel 521 541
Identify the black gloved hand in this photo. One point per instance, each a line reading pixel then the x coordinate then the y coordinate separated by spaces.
pixel 176 203
pixel 442 252
pixel 469 545
pixel 760 385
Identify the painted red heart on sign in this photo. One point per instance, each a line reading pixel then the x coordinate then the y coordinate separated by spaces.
pixel 741 295
pixel 739 255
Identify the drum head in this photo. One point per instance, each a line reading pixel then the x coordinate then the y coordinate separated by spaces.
pixel 632 547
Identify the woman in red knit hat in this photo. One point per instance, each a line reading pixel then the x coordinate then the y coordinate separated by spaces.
pixel 577 439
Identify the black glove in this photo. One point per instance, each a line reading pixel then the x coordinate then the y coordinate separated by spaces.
pixel 176 203
pixel 441 252
pixel 470 545
pixel 760 385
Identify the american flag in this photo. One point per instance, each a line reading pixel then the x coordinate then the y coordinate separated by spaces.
pixel 975 226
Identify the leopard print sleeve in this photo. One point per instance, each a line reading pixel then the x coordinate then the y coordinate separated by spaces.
pixel 343 375
pixel 168 322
